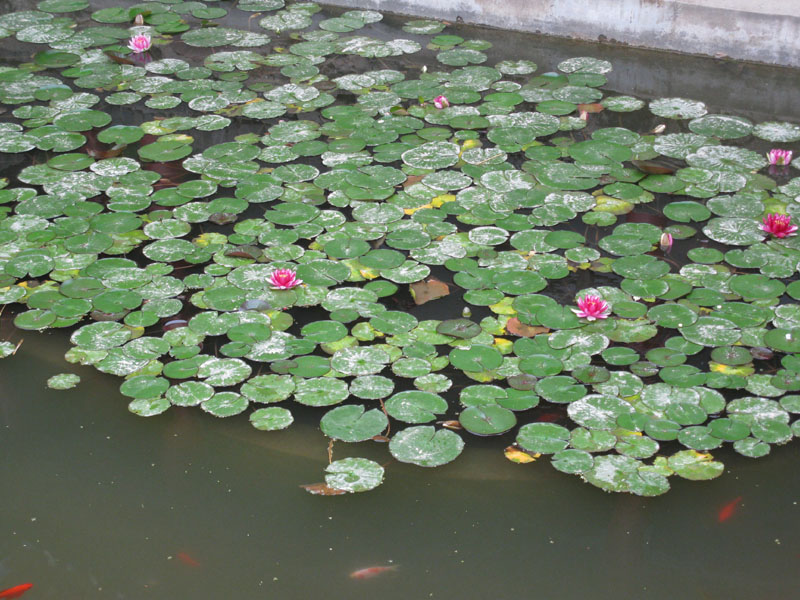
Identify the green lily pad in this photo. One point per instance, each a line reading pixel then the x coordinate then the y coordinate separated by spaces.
pixel 354 474
pixel 415 406
pixel 352 424
pixel 693 465
pixel 543 438
pixel 272 418
pixel 425 446
pixel 489 419
pixel 63 381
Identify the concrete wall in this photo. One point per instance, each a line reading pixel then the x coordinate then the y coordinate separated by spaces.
pixel 759 30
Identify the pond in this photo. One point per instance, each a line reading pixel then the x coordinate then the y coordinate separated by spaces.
pixel 369 234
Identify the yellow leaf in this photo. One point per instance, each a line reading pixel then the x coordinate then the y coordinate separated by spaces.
pixel 743 370
pixel 206 239
pixel 442 199
pixel 481 376
pixel 503 345
pixel 411 211
pixel 503 307
pixel 518 456
pixel 135 331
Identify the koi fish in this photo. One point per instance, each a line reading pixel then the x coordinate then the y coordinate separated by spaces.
pixel 16 591
pixel 727 511
pixel 549 417
pixel 187 559
pixel 371 572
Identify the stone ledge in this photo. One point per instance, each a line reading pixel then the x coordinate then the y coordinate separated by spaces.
pixel 756 30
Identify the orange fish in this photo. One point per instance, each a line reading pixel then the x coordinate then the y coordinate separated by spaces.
pixel 549 417
pixel 727 511
pixel 16 591
pixel 187 559
pixel 371 572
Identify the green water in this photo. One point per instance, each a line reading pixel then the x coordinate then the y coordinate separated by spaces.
pixel 98 503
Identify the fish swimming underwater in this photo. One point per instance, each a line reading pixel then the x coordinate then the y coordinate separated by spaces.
pixel 371 572
pixel 16 591
pixel 727 511
pixel 188 559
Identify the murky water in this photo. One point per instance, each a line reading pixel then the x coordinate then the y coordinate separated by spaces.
pixel 98 503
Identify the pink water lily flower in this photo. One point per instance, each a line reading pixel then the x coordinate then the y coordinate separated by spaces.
pixel 592 307
pixel 284 279
pixel 779 225
pixel 441 102
pixel 779 157
pixel 665 243
pixel 139 43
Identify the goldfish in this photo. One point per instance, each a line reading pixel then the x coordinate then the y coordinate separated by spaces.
pixel 371 572
pixel 16 591
pixel 549 417
pixel 727 511
pixel 187 559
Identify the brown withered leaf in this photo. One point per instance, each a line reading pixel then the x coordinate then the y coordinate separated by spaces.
pixel 429 289
pixel 120 60
pixel 321 489
pixel 380 438
pixel 591 108
pixel 244 252
pixel 412 179
pixel 223 218
pixel 455 425
pixel 652 168
pixel 514 326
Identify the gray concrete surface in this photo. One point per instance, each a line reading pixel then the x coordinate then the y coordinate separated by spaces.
pixel 759 30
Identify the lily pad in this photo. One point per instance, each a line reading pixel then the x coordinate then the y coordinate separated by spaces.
pixel 354 474
pixel 425 446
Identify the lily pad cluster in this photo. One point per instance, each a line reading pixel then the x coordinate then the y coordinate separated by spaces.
pixel 168 186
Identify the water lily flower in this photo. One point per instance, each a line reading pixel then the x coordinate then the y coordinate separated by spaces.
pixel 441 102
pixel 779 225
pixel 284 279
pixel 665 242
pixel 779 157
pixel 592 307
pixel 139 43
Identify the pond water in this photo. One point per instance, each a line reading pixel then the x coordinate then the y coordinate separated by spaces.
pixel 98 502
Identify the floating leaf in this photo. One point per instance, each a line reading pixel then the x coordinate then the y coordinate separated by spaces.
pixel 354 475
pixel 425 446
pixel 63 381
